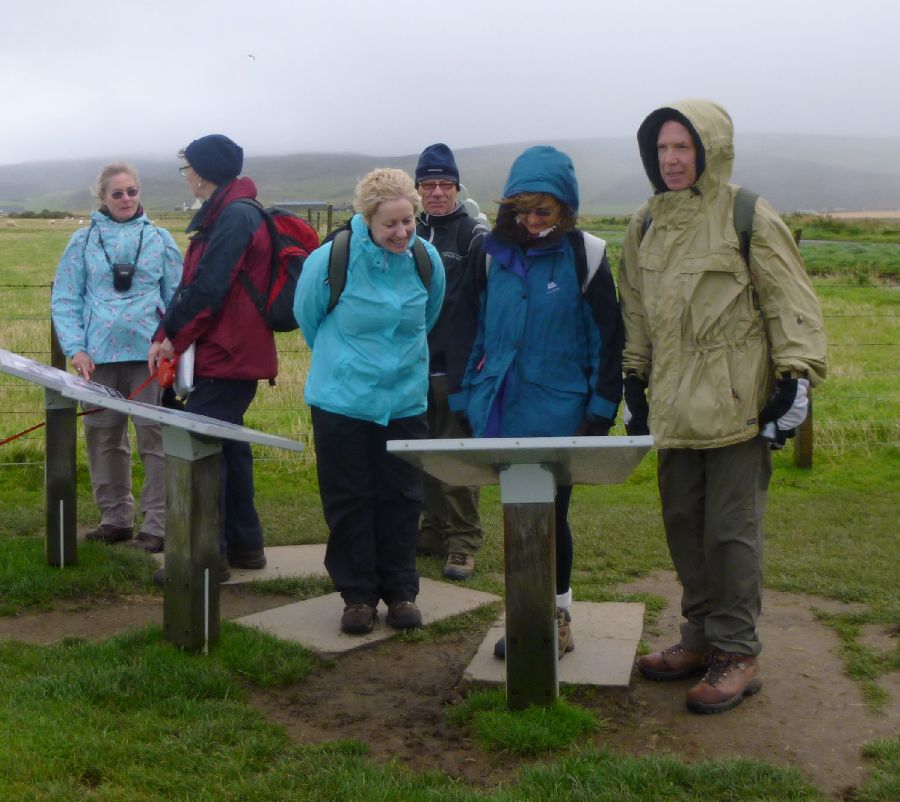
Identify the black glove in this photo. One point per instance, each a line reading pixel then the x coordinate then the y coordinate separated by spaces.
pixel 780 401
pixel 636 400
pixel 594 427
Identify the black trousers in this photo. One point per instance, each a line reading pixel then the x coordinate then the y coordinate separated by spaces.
pixel 227 400
pixel 372 501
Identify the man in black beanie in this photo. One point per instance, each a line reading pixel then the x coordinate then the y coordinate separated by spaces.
pixel 450 521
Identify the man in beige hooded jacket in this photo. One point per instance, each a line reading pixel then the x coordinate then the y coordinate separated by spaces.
pixel 717 350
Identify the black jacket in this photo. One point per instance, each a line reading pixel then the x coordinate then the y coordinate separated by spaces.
pixel 457 238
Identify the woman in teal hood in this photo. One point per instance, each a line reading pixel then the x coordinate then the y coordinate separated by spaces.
pixel 546 359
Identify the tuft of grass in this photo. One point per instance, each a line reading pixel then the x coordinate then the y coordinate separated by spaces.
pixel 28 582
pixel 591 776
pixel 883 783
pixel 533 731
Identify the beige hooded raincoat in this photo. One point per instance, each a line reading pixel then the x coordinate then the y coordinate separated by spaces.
pixel 693 324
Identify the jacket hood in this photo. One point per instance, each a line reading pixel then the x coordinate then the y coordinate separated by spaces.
pixel 544 169
pixel 713 134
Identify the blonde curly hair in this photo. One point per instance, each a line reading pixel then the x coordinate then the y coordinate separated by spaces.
pixel 384 184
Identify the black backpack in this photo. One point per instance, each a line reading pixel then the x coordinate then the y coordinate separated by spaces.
pixel 339 260
pixel 292 240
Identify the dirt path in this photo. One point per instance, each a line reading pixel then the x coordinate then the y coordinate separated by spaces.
pixel 393 696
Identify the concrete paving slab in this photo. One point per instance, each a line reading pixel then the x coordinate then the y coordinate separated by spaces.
pixel 316 622
pixel 308 560
pixel 606 638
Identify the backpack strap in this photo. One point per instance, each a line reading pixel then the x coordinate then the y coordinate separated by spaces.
pixel 261 301
pixel 743 213
pixel 592 249
pixel 423 263
pixel 339 262
pixel 744 210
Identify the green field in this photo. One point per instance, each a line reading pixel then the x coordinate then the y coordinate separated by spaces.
pixel 835 530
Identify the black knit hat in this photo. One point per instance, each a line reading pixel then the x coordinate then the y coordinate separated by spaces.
pixel 215 157
pixel 437 161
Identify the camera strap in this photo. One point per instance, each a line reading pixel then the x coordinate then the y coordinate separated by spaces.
pixel 103 247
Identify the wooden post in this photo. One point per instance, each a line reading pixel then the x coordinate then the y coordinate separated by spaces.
pixel 59 480
pixel 60 497
pixel 193 487
pixel 328 218
pixel 532 665
pixel 803 440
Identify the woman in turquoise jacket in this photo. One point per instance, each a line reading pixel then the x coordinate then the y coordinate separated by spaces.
pixel 367 384
pixel 547 353
pixel 112 286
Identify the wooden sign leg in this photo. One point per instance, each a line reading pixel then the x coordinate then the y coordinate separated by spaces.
pixel 193 485
pixel 532 668
pixel 59 480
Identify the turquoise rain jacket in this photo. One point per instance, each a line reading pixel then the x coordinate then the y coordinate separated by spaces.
pixel 547 353
pixel 370 353
pixel 89 314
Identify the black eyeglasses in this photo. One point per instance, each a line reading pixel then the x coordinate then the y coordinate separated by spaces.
pixel 183 170
pixel 118 194
pixel 431 186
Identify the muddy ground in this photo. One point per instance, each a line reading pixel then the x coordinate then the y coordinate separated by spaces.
pixel 394 696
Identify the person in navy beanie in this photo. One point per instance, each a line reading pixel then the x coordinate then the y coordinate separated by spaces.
pixel 235 347
pixel 437 162
pixel 450 526
pixel 215 157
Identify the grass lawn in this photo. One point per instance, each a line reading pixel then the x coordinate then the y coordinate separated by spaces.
pixel 134 719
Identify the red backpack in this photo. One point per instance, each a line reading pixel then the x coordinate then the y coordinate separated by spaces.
pixel 292 241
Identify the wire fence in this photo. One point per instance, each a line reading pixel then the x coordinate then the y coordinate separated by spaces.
pixel 283 412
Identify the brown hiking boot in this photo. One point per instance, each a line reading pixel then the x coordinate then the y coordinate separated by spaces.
pixel 430 543
pixel 459 566
pixel 729 678
pixel 358 618
pixel 106 533
pixel 671 664
pixel 152 544
pixel 404 615
pixel 565 641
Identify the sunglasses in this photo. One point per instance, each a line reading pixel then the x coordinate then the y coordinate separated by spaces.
pixel 540 211
pixel 118 194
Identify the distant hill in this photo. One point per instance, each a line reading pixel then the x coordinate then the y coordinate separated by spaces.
pixel 810 173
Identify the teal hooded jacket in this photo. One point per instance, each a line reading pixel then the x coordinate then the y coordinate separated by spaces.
pixel 370 353
pixel 548 347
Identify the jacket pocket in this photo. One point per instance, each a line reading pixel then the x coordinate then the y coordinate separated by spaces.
pixel 718 300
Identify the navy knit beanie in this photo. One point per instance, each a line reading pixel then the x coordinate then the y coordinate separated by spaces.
pixel 215 157
pixel 437 161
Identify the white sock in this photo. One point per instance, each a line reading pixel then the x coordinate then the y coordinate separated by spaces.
pixel 564 600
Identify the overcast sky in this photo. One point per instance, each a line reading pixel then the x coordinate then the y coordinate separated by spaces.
pixel 104 79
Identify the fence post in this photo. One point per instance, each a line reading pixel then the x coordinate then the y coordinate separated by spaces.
pixel 328 219
pixel 60 498
pixel 803 440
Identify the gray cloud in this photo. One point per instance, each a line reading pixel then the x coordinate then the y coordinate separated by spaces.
pixel 99 78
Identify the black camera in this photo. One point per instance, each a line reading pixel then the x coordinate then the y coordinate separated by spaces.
pixel 122 276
